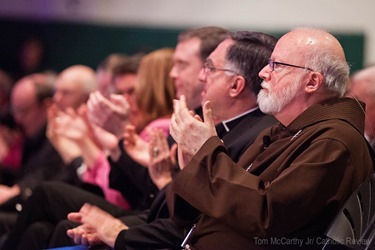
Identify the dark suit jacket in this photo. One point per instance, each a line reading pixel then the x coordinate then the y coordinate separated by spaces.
pixel 154 229
pixel 133 180
pixel 40 162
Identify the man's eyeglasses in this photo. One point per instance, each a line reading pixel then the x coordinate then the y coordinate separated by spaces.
pixel 272 64
pixel 207 68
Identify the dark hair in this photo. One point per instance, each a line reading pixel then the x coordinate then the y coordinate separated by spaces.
pixel 111 61
pixel 128 64
pixel 44 85
pixel 210 37
pixel 249 54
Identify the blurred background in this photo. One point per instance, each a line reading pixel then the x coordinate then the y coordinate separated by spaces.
pixel 55 34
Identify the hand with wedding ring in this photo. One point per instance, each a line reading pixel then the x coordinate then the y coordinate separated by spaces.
pixel 162 159
pixel 155 151
pixel 137 148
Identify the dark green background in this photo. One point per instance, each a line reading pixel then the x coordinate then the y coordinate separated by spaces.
pixel 71 43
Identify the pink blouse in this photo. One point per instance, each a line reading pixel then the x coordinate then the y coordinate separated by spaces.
pixel 98 174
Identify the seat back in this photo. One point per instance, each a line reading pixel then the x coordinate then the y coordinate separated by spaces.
pixel 354 225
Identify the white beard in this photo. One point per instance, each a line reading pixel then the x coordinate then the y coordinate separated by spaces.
pixel 271 102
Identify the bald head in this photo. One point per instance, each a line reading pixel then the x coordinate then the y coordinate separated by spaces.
pixel 320 51
pixel 73 86
pixel 307 40
pixel 30 99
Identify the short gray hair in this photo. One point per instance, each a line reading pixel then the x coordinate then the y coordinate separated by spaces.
pixel 334 69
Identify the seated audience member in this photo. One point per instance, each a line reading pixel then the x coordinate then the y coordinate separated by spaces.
pixel 202 42
pixel 105 72
pixel 69 149
pixel 11 137
pixel 362 86
pixel 295 176
pixel 30 99
pixel 143 113
pixel 154 83
pixel 153 69
pixel 230 76
pixel 30 102
pixel 116 66
pixel 123 77
pixel 73 86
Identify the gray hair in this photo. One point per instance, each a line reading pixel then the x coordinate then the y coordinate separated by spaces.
pixel 335 70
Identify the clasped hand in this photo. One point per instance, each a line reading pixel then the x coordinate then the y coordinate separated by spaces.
pixel 97 226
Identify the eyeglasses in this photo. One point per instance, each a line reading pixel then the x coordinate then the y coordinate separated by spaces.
pixel 272 64
pixel 207 68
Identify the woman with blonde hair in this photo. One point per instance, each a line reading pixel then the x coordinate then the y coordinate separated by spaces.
pixel 155 91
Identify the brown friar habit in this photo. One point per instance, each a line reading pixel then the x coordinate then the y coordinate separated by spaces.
pixel 286 187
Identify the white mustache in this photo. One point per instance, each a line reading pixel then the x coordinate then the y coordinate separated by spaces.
pixel 265 85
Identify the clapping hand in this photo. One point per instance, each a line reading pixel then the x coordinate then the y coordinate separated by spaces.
pixel 162 159
pixel 56 127
pixel 189 131
pixel 110 114
pixel 137 148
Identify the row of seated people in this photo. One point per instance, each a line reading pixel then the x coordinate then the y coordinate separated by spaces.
pixel 44 106
pixel 234 194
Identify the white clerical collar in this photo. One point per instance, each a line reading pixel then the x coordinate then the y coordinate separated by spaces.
pixel 236 117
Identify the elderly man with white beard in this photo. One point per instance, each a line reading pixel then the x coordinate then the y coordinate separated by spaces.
pixel 292 180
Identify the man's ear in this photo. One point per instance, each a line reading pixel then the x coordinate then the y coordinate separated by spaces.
pixel 315 81
pixel 237 85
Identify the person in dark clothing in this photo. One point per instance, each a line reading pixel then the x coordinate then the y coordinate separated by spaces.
pixel 289 184
pixel 232 87
pixel 30 99
pixel 152 228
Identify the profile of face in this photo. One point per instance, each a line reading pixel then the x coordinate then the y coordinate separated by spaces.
pixel 272 101
pixel 73 86
pixel 217 79
pixel 186 67
pixel 27 111
pixel 68 94
pixel 125 85
pixel 281 83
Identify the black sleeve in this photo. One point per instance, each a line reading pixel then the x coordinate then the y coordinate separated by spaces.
pixel 44 165
pixel 136 219
pixel 133 181
pixel 161 233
